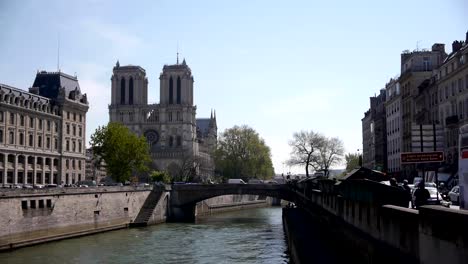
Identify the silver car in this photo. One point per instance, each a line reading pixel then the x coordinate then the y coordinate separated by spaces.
pixel 454 195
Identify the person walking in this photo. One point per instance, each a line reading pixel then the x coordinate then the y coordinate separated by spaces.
pixel 421 195
pixel 407 190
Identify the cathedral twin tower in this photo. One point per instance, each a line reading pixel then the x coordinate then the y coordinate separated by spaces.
pixel 171 128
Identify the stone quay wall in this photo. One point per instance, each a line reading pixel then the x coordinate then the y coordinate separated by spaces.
pixel 230 203
pixel 39 215
pixel 370 220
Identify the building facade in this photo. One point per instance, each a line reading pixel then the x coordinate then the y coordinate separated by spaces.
pixel 375 134
pixel 452 89
pixel 393 125
pixel 432 89
pixel 178 140
pixel 95 169
pixel 42 132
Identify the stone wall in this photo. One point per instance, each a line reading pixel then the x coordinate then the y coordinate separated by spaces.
pixel 359 215
pixel 229 203
pixel 35 216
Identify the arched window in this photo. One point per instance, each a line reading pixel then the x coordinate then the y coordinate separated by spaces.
pixel 179 141
pixel 178 90
pixel 171 141
pixel 171 91
pixel 122 91
pixel 130 91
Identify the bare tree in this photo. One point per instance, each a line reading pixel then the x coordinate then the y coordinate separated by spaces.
pixel 330 153
pixel 304 152
pixel 311 149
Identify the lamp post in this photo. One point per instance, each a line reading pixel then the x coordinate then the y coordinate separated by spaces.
pixel 360 157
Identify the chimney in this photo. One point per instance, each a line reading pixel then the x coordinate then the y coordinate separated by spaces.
pixel 456 45
pixel 438 47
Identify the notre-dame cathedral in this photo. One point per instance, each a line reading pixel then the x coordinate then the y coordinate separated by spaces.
pixel 178 140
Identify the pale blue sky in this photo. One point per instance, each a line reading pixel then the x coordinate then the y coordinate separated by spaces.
pixel 277 66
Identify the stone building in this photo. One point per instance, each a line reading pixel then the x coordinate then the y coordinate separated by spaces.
pixel 95 170
pixel 393 125
pixel 178 140
pixel 416 67
pixel 451 92
pixel 375 134
pixel 42 132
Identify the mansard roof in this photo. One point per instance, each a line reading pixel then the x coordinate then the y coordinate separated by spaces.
pixel 49 84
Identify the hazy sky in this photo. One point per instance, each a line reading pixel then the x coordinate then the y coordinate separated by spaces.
pixel 277 66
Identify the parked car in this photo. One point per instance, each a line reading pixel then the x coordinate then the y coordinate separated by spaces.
pixel 27 186
pixel 38 186
pixel 236 181
pixel 454 195
pixel 434 199
pixel 255 181
pixel 51 185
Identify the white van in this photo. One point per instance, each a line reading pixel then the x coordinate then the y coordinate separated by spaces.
pixel 236 181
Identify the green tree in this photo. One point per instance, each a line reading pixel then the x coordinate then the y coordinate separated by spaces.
pixel 123 151
pixel 241 153
pixel 160 176
pixel 352 161
pixel 314 150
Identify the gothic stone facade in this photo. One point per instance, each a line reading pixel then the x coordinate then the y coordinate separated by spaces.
pixel 42 132
pixel 176 137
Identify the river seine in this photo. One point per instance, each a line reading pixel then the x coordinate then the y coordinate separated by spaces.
pixel 247 236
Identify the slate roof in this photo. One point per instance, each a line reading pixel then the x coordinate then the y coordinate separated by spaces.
pixel 50 82
pixel 203 126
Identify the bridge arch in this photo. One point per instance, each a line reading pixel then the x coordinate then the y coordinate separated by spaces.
pixel 184 197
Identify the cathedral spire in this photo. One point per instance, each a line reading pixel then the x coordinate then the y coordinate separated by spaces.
pixel 211 116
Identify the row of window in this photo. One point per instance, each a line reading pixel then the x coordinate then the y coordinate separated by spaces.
pixel 80 130
pixel 394 165
pixel 33 204
pixel 69 114
pixel 393 146
pixel 21 140
pixel 392 109
pixel 74 164
pixel 453 66
pixel 450 90
pixel 21 121
pixel 73 146
pixel 178 141
pixel 29 104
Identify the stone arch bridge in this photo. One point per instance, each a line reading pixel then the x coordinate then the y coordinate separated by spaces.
pixel 184 197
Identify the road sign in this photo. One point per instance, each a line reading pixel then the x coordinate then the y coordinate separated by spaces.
pixel 422 157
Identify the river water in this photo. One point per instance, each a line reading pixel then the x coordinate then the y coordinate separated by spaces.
pixel 246 236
